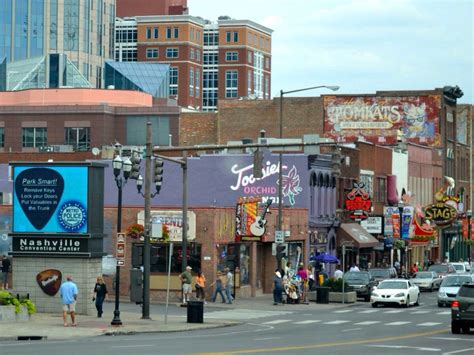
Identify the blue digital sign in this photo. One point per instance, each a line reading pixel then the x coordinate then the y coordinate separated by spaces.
pixel 50 199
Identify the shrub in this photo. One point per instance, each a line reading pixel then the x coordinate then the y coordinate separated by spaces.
pixel 7 299
pixel 336 285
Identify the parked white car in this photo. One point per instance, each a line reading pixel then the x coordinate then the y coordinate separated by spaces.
pixel 398 291
pixel 427 280
pixel 450 287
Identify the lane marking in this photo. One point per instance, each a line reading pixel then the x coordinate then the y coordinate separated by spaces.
pixel 459 351
pixel 263 339
pixel 428 324
pixel 344 311
pixel 444 313
pixel 451 339
pixel 405 347
pixel 420 312
pixel 308 321
pixel 332 344
pixel 394 311
pixel 369 311
pixel 369 322
pixel 397 323
pixel 337 322
pixel 277 321
pixel 350 330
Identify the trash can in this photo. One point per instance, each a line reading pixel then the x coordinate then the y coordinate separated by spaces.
pixel 195 312
pixel 322 295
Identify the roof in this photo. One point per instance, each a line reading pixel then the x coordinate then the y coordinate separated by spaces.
pixel 353 232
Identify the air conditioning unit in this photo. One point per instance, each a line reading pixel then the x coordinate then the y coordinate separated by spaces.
pixel 127 150
pixel 62 148
pixel 6 198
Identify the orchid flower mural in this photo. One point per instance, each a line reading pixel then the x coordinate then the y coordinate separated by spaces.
pixel 291 185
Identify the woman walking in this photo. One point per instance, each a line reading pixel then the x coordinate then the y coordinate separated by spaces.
pixel 218 290
pixel 200 286
pixel 100 294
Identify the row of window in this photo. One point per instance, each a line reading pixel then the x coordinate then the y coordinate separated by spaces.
pixel 34 137
pixel 153 32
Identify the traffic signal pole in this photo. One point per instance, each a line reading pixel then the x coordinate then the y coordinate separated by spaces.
pixel 146 244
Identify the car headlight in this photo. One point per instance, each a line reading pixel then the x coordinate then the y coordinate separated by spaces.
pixel 401 294
pixel 442 294
pixel 375 294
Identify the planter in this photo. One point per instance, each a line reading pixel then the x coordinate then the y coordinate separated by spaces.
pixel 7 314
pixel 349 297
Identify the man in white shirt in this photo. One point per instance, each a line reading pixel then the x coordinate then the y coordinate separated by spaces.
pixel 354 267
pixel 338 273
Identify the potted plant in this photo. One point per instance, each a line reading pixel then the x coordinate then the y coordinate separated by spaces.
pixel 135 231
pixel 335 291
pixel 12 308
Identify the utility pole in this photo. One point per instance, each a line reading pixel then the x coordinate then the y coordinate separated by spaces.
pixel 146 245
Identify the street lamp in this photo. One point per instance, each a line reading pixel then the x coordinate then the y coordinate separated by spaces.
pixel 469 216
pixel 126 166
pixel 280 157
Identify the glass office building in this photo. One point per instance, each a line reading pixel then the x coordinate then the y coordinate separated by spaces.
pixel 82 29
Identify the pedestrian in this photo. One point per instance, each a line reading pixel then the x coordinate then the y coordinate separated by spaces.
pixel 338 273
pixel 303 274
pixel 310 272
pixel 414 269
pixel 354 268
pixel 186 279
pixel 100 294
pixel 200 283
pixel 277 288
pixel 218 288
pixel 229 284
pixel 5 266
pixel 68 292
pixel 289 272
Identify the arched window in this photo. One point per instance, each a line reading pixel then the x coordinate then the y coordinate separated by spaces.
pixel 312 187
pixel 319 196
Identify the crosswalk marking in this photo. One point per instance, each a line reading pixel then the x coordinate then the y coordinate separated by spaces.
pixel 394 311
pixel 278 321
pixel 344 311
pixel 369 311
pixel 308 321
pixel 369 322
pixel 244 314
pixel 337 322
pixel 428 324
pixel 397 323
pixel 420 312
pixel 444 313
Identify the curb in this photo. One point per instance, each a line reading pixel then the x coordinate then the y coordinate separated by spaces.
pixel 134 332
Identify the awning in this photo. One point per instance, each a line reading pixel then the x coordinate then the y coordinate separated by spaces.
pixel 353 232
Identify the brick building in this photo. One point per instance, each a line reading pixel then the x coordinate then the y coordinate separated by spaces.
pixel 129 8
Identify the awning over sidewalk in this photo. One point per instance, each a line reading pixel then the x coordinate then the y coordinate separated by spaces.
pixel 353 232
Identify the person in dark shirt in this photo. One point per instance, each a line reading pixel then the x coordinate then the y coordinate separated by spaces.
pixel 277 288
pixel 100 294
pixel 5 266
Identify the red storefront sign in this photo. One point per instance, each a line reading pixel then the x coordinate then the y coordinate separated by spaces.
pixel 465 229
pixel 358 202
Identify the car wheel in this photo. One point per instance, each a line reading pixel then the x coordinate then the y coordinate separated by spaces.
pixel 431 288
pixel 374 305
pixel 417 303
pixel 407 304
pixel 455 328
pixel 465 329
pixel 440 304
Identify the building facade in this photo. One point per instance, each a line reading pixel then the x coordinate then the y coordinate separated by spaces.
pixel 128 8
pixel 81 29
pixel 229 59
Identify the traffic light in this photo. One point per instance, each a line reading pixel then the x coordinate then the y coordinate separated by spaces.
pixel 135 173
pixel 257 164
pixel 158 174
pixel 282 250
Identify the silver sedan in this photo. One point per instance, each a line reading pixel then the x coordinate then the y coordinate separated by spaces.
pixel 427 280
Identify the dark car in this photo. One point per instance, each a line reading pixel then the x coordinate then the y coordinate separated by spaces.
pixel 462 309
pixel 380 274
pixel 442 269
pixel 361 282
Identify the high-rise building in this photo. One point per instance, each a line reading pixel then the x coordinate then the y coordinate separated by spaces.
pixel 129 8
pixel 227 59
pixel 81 29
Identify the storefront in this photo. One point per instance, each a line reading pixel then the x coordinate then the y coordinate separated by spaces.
pixel 359 245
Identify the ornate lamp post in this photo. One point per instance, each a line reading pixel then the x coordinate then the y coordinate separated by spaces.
pixel 119 166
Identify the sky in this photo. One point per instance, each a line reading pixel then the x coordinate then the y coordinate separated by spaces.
pixel 361 45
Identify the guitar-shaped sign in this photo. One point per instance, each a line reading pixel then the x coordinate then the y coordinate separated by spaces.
pixel 257 228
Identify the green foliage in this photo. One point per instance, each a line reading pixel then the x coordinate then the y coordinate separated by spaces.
pixel 336 285
pixel 7 299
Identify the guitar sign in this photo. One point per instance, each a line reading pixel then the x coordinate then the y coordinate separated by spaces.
pixel 257 228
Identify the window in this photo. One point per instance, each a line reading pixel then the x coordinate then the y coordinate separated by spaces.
pixel 172 53
pixel 2 137
pixel 198 82
pixel 228 36
pixel 173 81
pixel 236 36
pixel 148 33
pixel 79 138
pixel 231 56
pixel 191 53
pixel 231 79
pixel 249 82
pixel 211 39
pixel 210 58
pixel 267 88
pixel 156 32
pixel 192 34
pixel 176 32
pixel 381 190
pixel 198 55
pixel 267 63
pixel 249 57
pixel 168 32
pixel 159 257
pixel 191 82
pixel 152 53
pixel 368 179
pixel 34 137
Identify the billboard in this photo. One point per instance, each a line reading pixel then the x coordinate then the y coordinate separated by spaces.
pixel 383 120
pixel 50 199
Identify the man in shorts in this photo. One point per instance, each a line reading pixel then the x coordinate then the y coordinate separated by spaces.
pixel 68 293
pixel 186 279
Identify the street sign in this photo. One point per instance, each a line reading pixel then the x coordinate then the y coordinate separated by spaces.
pixel 120 250
pixel 279 237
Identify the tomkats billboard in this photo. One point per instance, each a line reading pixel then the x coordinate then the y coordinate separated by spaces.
pixel 380 120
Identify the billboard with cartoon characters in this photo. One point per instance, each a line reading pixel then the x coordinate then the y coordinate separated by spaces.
pixel 383 120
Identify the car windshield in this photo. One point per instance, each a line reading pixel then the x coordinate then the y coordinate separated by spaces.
pixel 379 272
pixel 423 275
pixel 466 291
pixel 393 285
pixel 438 268
pixel 356 276
pixel 458 266
pixel 455 281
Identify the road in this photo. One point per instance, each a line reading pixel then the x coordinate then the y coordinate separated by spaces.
pixel 359 329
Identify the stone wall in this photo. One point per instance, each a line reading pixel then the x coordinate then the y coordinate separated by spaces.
pixel 83 271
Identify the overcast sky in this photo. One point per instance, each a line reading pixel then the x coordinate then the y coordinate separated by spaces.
pixel 361 45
